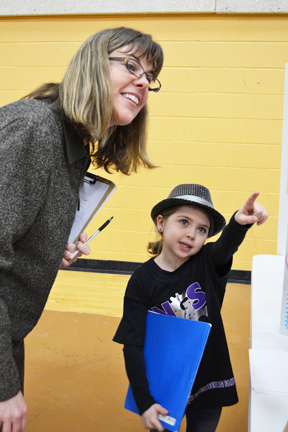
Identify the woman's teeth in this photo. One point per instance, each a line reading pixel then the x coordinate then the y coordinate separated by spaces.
pixel 131 97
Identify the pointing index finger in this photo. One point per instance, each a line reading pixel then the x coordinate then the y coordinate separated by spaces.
pixel 251 200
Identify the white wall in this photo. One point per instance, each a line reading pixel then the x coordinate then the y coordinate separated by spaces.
pixel 69 7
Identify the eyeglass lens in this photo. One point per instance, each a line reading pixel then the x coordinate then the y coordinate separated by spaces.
pixel 136 69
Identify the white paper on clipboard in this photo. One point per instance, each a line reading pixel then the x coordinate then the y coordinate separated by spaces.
pixel 93 194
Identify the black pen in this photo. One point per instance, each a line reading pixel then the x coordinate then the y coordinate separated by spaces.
pixel 91 238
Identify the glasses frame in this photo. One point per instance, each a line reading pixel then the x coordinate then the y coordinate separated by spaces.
pixel 125 60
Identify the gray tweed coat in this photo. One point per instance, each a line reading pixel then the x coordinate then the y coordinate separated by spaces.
pixel 42 164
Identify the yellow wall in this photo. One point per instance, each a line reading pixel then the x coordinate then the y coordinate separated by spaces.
pixel 217 120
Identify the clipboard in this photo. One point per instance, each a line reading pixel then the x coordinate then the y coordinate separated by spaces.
pixel 173 349
pixel 93 194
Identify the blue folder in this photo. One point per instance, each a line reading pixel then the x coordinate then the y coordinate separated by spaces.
pixel 173 350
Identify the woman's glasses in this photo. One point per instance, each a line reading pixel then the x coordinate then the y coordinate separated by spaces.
pixel 136 69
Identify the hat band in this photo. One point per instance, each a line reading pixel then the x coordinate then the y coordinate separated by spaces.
pixel 196 199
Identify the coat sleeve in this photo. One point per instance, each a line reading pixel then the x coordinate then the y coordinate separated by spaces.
pixel 24 167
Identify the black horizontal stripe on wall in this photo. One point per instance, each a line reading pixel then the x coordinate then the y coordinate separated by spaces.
pixel 127 268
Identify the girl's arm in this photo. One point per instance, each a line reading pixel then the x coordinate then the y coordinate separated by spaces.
pixel 234 233
pixel 136 372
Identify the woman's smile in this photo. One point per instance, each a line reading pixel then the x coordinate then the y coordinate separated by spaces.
pixel 130 93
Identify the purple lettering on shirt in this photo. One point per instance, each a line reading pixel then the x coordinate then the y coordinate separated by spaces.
pixel 194 293
pixel 167 308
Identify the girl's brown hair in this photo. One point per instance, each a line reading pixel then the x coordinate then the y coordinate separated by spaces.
pixel 84 98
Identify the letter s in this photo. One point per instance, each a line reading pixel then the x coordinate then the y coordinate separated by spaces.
pixel 199 297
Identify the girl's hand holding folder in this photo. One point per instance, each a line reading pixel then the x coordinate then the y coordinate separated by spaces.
pixel 150 417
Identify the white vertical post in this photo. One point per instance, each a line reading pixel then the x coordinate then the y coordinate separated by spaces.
pixel 284 304
pixel 282 243
pixel 283 204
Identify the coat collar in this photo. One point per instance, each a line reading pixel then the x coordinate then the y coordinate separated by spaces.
pixel 74 145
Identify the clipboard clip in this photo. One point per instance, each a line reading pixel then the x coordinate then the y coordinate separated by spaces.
pixel 90 178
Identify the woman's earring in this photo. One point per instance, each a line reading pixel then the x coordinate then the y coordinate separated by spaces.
pixel 160 229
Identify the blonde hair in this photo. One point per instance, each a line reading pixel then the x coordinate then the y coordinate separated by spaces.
pixel 155 248
pixel 84 98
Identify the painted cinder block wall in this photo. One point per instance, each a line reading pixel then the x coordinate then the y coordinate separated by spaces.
pixel 217 120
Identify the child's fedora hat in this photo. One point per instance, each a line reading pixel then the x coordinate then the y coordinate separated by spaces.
pixel 191 194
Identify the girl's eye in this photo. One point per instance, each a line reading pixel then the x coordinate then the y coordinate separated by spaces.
pixel 203 230
pixel 184 222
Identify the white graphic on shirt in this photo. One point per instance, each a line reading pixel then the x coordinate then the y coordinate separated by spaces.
pixel 191 304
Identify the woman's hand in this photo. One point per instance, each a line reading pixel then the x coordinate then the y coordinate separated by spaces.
pixel 150 417
pixel 13 414
pixel 71 247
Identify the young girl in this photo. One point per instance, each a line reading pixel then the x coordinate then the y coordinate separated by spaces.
pixel 185 220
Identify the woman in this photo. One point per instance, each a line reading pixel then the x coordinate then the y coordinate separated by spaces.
pixel 96 114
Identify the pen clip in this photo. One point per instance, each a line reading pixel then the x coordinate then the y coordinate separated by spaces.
pixel 90 178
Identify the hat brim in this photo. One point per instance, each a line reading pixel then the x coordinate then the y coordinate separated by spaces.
pixel 218 220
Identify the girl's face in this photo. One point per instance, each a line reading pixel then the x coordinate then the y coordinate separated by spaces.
pixel 184 234
pixel 130 93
